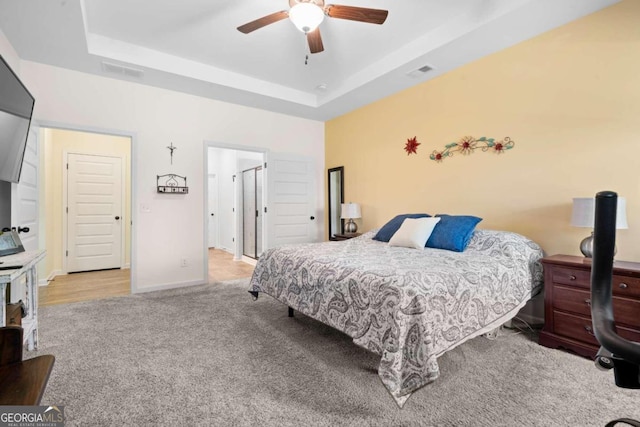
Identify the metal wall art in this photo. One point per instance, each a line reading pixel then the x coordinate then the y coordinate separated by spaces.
pixel 466 145
pixel 469 144
pixel 411 146
pixel 172 183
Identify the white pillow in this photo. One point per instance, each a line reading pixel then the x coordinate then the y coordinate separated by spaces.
pixel 414 232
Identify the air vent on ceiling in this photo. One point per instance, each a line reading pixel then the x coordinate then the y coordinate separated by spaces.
pixel 112 68
pixel 419 72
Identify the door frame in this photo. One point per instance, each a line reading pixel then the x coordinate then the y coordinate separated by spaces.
pixel 214 144
pixel 216 243
pixel 65 198
pixel 133 157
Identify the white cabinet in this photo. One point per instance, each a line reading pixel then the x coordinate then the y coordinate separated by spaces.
pixel 22 280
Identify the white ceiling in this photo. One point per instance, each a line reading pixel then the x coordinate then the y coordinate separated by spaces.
pixel 193 45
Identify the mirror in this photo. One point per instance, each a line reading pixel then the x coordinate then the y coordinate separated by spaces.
pixel 336 198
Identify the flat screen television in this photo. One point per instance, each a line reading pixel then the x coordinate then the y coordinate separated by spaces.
pixel 16 108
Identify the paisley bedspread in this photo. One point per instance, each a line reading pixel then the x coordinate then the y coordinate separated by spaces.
pixel 407 305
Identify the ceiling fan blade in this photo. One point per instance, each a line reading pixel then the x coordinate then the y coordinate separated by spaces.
pixel 315 41
pixel 262 22
pixel 362 14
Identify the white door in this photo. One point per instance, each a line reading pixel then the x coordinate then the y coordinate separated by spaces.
pixel 94 216
pixel 24 195
pixel 291 196
pixel 213 211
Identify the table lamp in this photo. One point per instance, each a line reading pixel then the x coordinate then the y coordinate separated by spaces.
pixel 350 211
pixel 583 216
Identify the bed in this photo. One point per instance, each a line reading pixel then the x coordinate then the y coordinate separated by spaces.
pixel 408 306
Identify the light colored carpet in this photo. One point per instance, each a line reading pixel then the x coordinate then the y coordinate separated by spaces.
pixel 210 355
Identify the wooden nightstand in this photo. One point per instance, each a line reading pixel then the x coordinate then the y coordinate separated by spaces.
pixel 567 303
pixel 345 236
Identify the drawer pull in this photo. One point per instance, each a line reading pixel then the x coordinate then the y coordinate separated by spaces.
pixel 623 285
pixel 572 277
pixel 588 302
pixel 589 330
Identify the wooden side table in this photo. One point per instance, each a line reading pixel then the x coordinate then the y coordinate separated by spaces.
pixel 22 267
pixel 345 236
pixel 567 303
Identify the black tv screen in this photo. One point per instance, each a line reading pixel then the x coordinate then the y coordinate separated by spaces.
pixel 16 108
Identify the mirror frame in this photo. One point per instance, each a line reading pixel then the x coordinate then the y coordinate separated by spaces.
pixel 330 209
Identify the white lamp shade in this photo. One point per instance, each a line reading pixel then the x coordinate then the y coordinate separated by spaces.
pixel 350 210
pixel 306 16
pixel 584 209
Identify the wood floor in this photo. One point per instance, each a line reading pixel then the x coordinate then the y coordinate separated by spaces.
pixel 91 285
pixel 223 267
pixel 109 283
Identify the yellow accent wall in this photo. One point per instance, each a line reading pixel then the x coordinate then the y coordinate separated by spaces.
pixel 570 99
pixel 56 143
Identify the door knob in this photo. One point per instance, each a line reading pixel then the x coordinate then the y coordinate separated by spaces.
pixel 117 217
pixel 23 229
pixel 212 214
pixel 312 218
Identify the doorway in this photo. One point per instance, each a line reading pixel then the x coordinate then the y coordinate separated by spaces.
pixel 227 247
pixel 87 228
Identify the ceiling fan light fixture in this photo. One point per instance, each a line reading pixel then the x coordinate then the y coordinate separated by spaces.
pixel 306 16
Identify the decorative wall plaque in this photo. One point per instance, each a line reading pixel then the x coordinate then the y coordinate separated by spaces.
pixel 172 183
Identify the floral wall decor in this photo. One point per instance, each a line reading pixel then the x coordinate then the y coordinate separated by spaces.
pixel 411 146
pixel 469 144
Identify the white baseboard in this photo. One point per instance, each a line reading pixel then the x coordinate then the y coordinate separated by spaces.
pixel 248 260
pixel 166 286
pixel 124 267
pixel 52 276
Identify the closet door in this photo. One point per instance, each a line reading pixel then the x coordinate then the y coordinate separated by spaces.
pixel 291 195
pixel 25 195
pixel 249 213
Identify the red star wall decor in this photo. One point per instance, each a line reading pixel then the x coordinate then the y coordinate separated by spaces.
pixel 411 146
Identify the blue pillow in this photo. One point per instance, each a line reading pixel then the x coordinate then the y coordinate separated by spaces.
pixel 453 232
pixel 390 228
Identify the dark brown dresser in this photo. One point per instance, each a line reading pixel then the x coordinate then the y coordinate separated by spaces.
pixel 567 303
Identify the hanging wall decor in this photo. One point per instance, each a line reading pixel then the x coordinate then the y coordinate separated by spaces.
pixel 411 146
pixel 469 144
pixel 171 148
pixel 172 183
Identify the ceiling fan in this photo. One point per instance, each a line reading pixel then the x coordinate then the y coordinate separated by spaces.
pixel 307 15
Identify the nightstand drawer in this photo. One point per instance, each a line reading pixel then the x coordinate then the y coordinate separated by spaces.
pixel 626 286
pixel 626 311
pixel 573 300
pixel 573 277
pixel 575 327
pixel 581 328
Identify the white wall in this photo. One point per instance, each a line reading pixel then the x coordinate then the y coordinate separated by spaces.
pixel 174 226
pixel 9 54
pixel 226 198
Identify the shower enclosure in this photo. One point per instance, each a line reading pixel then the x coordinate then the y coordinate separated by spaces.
pixel 252 211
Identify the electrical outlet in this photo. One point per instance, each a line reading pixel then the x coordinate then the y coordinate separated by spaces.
pixel 183 262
